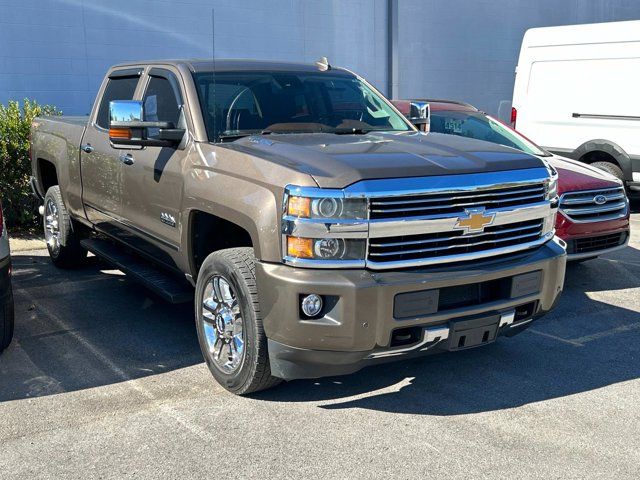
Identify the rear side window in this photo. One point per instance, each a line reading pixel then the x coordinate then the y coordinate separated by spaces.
pixel 121 88
pixel 161 101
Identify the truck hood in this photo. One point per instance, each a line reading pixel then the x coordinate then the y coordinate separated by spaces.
pixel 574 176
pixel 336 161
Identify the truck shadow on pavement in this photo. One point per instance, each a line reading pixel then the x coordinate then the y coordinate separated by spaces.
pixel 93 327
pixel 89 327
pixel 585 344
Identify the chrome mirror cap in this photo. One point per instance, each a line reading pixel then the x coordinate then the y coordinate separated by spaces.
pixel 125 111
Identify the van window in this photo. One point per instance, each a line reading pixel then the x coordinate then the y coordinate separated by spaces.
pixel 120 88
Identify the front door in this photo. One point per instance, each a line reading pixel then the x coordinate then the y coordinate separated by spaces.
pixel 153 179
pixel 101 166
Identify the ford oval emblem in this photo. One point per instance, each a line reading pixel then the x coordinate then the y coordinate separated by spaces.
pixel 600 199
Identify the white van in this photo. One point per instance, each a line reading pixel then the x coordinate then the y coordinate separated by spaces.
pixel 577 93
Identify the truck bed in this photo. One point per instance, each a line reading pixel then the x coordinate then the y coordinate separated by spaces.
pixel 57 139
pixel 80 120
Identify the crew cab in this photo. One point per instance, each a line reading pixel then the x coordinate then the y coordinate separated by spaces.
pixel 6 293
pixel 322 232
pixel 594 209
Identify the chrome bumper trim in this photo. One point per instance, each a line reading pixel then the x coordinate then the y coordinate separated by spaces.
pixel 432 336
pixel 507 318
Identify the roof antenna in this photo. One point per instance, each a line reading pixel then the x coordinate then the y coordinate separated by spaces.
pixel 213 72
pixel 323 64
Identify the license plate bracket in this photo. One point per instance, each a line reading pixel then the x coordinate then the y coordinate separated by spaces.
pixel 473 332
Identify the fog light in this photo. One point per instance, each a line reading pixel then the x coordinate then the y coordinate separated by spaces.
pixel 311 305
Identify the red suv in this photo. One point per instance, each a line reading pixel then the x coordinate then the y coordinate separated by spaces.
pixel 594 210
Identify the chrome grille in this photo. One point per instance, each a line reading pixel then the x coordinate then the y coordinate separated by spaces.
pixel 444 244
pixel 594 205
pixel 455 202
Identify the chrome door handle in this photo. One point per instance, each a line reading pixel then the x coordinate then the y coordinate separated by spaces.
pixel 127 159
pixel 87 148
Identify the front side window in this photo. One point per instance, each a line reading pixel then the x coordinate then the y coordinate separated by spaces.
pixel 481 127
pixel 161 101
pixel 244 103
pixel 118 88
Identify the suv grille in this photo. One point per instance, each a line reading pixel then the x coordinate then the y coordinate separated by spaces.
pixel 451 203
pixel 412 247
pixel 594 205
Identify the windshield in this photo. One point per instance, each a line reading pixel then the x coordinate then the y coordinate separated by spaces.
pixel 481 127
pixel 246 103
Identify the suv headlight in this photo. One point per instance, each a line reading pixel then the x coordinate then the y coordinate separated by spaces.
pixel 323 228
pixel 552 183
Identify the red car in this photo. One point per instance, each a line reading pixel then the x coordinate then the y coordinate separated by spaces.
pixel 594 210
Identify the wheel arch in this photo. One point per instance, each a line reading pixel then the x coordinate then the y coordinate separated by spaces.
pixel 46 174
pixel 599 149
pixel 209 232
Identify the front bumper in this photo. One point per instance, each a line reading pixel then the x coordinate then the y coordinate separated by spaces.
pixel 362 319
pixel 591 239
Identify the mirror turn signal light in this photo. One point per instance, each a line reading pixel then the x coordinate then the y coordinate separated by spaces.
pixel 299 247
pixel 299 207
pixel 124 133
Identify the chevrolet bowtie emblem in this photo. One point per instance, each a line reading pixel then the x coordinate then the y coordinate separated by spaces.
pixel 475 220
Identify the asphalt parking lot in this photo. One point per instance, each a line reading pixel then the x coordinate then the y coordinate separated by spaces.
pixel 104 381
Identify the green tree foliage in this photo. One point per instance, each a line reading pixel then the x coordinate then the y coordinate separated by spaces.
pixel 15 166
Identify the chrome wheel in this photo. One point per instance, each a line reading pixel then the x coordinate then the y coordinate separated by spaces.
pixel 52 227
pixel 223 325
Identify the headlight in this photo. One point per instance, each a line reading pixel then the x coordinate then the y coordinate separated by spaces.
pixel 321 227
pixel 327 207
pixel 552 189
pixel 325 248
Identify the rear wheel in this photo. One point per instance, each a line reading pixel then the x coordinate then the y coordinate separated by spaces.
pixel 6 321
pixel 611 168
pixel 63 241
pixel 229 322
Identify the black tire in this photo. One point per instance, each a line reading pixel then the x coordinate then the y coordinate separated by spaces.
pixel 237 267
pixel 68 253
pixel 6 321
pixel 611 168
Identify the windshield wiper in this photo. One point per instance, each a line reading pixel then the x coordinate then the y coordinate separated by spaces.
pixel 236 136
pixel 353 131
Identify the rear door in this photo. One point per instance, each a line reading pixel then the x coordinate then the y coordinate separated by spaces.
pixel 101 166
pixel 153 181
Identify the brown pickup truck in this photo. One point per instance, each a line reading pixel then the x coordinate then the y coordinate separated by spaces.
pixel 322 232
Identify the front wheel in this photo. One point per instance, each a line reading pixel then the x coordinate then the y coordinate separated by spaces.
pixel 229 322
pixel 611 168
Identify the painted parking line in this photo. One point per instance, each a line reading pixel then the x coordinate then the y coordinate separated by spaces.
pixel 555 337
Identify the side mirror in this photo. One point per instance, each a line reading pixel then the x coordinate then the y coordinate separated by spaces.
pixel 127 127
pixel 416 111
